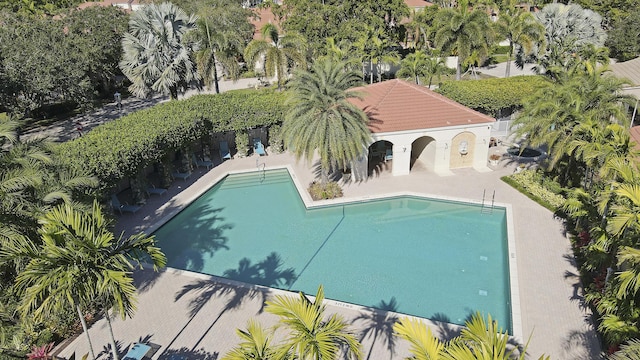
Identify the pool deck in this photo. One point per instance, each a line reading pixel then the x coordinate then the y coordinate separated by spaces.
pixel 195 316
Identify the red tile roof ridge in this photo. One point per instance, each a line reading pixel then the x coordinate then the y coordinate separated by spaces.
pixel 398 105
pixel 425 91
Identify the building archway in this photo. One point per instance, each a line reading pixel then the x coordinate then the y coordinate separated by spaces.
pixel 462 150
pixel 423 154
pixel 380 155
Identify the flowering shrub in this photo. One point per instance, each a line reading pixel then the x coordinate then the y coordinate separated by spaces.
pixel 530 183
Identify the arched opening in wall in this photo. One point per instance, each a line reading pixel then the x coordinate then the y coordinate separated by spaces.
pixel 462 150
pixel 423 154
pixel 380 157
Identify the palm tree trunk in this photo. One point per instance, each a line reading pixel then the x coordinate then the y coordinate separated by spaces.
pixel 213 56
pixel 508 70
pixel 371 71
pixel 86 331
pixel 114 348
pixel 458 69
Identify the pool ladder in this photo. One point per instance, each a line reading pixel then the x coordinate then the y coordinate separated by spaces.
pixel 486 208
pixel 263 166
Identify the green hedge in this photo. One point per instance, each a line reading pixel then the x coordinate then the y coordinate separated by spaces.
pixel 489 96
pixel 119 149
pixel 533 184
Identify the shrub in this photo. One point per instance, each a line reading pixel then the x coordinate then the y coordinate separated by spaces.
pixel 120 148
pixel 242 143
pixel 275 139
pixel 530 183
pixel 490 96
pixel 320 191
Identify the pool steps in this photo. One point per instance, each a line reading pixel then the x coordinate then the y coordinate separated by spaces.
pixel 250 180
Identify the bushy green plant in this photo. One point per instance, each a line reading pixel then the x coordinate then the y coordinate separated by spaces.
pixel 530 183
pixel 489 96
pixel 329 190
pixel 120 148
pixel 242 143
pixel 275 139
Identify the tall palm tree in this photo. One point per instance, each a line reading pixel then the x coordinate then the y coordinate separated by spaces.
pixel 556 115
pixel 322 119
pixel 462 31
pixel 80 262
pixel 382 53
pixel 520 29
pixel 222 36
pixel 278 52
pixel 309 335
pixel 157 54
pixel 414 66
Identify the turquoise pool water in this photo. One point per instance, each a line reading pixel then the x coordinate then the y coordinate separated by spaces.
pixel 429 258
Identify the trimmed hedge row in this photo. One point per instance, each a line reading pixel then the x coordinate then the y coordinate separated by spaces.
pixel 119 149
pixel 489 96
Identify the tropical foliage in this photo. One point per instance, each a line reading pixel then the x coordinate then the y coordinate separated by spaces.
pixel 520 29
pixel 568 28
pixel 321 119
pixel 79 262
pixel 480 339
pixel 462 32
pixel 276 53
pixel 582 120
pixel 308 333
pixel 157 54
pixel 223 30
pixel 32 181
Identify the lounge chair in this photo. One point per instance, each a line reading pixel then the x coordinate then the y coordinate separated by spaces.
pixel 152 190
pixel 258 148
pixel 115 203
pixel 225 154
pixel 388 155
pixel 180 175
pixel 201 163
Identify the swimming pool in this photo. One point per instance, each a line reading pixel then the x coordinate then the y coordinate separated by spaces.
pixel 429 258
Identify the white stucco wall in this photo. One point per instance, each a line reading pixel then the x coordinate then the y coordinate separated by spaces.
pixel 403 140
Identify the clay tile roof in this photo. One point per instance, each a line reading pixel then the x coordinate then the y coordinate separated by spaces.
pixel 397 105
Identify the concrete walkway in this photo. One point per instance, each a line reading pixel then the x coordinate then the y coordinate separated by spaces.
pixel 195 316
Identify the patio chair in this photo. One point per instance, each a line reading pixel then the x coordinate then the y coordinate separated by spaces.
pixel 137 352
pixel 225 154
pixel 388 155
pixel 117 205
pixel 258 148
pixel 152 190
pixel 200 162
pixel 181 175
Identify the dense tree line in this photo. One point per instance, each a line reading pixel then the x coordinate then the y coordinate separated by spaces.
pixel 71 59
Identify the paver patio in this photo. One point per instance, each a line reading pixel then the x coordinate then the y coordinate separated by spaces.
pixel 195 316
